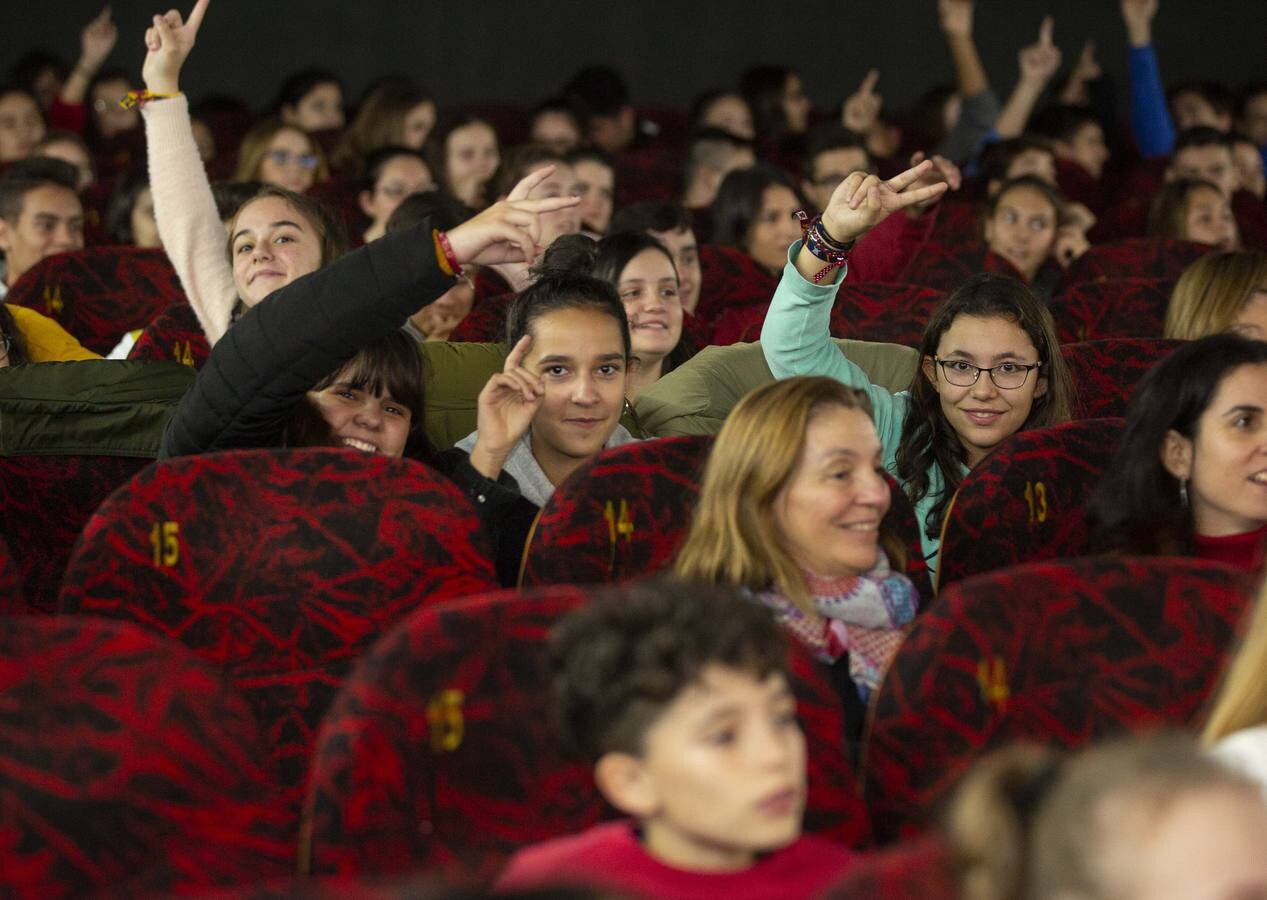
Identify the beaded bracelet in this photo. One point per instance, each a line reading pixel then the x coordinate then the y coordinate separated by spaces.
pixel 444 254
pixel 140 98
pixel 821 244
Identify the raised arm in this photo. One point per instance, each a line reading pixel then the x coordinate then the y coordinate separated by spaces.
pixel 1037 63
pixel 96 42
pixel 980 105
pixel 1150 117
pixel 188 221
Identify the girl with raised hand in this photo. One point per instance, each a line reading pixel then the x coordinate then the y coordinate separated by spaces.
pixel 990 360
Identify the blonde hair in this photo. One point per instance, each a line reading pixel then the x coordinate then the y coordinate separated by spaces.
pixel 1038 823
pixel 1241 700
pixel 255 145
pixel 1212 292
pixel 734 536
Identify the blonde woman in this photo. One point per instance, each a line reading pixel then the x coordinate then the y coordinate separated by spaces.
pixel 281 155
pixel 1220 292
pixel 1236 730
pixel 790 508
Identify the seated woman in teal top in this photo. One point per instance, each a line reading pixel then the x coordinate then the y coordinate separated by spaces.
pixel 991 363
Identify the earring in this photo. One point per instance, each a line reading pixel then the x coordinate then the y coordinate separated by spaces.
pixel 1183 492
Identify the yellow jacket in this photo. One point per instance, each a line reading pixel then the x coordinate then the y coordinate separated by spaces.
pixel 46 341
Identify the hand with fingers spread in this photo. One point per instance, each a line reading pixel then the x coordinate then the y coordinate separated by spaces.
pixel 943 172
pixel 506 407
pixel 1040 61
pixel 509 231
pixel 862 201
pixel 862 107
pixel 1138 16
pixel 168 43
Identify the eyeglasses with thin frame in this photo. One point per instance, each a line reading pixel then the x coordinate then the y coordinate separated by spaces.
pixel 1008 376
pixel 285 158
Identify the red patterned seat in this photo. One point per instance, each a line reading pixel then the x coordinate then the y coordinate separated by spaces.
pixel 10 580
pixel 1061 652
pixel 890 313
pixel 913 869
pixel 486 322
pixel 125 759
pixel 1025 501
pixel 729 279
pixel 439 754
pixel 44 503
pixel 281 566
pixel 620 516
pixel 865 311
pixel 1137 257
pixel 174 335
pixel 1106 372
pixel 1121 308
pixel 100 294
pixel 943 267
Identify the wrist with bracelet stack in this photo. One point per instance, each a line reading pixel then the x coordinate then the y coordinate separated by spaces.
pixel 822 245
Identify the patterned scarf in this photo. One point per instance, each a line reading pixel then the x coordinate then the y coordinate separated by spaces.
pixel 861 615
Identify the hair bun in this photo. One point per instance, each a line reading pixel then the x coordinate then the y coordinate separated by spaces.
pixel 571 254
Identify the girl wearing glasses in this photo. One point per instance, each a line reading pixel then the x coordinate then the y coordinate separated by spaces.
pixel 281 155
pixel 990 359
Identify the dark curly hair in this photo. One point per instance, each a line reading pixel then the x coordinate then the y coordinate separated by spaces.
pixel 619 662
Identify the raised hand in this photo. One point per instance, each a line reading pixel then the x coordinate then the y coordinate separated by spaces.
pixel 862 201
pixel 168 43
pixel 943 172
pixel 1040 61
pixel 508 231
pixel 1138 16
pixel 505 410
pixel 1071 243
pixel 862 107
pixel 97 40
pixel 956 17
pixel 1085 70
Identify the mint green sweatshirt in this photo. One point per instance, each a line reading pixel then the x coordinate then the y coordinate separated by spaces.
pixel 796 341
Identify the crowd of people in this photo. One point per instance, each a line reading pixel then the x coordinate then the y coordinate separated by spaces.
pixel 319 245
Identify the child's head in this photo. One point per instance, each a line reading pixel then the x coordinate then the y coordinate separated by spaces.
pixel 1022 223
pixel 754 212
pixel 1193 209
pixel 1220 292
pixel 678 694
pixel 277 236
pixel 580 349
pixel 283 155
pixel 960 411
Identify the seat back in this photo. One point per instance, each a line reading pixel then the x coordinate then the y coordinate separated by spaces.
pixel 10 580
pixel 282 566
pixel 124 758
pixel 175 335
pixel 730 278
pixel 1136 257
pixel 620 516
pixel 438 752
pixel 45 502
pixel 876 311
pixel 1026 501
pixel 1121 308
pixel 920 868
pixel 101 293
pixel 1106 372
pixel 1063 653
pixel 943 267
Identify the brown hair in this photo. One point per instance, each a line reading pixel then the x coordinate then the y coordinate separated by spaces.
pixel 1168 216
pixel 255 145
pixel 329 227
pixel 734 537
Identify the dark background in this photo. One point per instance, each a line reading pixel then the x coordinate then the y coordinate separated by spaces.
pixel 518 51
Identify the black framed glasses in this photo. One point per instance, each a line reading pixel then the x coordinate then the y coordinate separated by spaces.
pixel 1008 376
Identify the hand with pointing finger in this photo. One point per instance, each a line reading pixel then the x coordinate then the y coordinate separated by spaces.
pixel 862 107
pixel 862 200
pixel 1040 61
pixel 506 407
pixel 168 42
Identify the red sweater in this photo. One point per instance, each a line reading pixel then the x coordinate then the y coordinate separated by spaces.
pixel 610 856
pixel 1242 551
